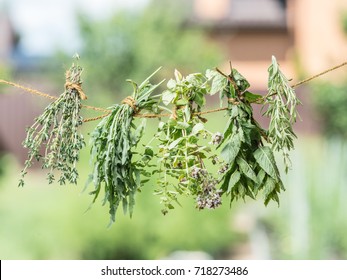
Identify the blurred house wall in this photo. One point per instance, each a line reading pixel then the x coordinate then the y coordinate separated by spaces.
pixel 300 33
pixel 319 38
pixel 249 32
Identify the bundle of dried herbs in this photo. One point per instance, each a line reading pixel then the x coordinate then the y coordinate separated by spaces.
pixel 180 155
pixel 54 138
pixel 281 102
pixel 113 142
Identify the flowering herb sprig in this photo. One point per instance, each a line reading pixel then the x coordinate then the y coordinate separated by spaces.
pixel 181 155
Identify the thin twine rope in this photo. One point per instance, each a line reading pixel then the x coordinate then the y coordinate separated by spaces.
pixel 128 100
pixel 319 74
pixel 33 91
pixel 74 86
pixel 45 95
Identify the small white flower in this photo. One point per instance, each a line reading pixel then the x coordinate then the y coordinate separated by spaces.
pixel 216 138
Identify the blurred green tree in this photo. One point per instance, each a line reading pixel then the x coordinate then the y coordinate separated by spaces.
pixel 344 21
pixel 331 103
pixel 330 100
pixel 134 44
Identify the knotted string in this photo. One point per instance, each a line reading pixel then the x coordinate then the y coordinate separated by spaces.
pixel 131 102
pixel 70 85
pixel 78 88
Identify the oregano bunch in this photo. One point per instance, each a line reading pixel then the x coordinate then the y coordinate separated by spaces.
pixel 181 155
pixel 281 107
pixel 113 142
pixel 54 138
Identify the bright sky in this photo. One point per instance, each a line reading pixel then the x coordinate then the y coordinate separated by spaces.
pixel 45 25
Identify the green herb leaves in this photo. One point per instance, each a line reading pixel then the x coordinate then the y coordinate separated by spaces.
pixel 266 160
pixel 249 163
pixel 181 155
pixel 113 141
pixel 281 102
pixel 54 138
pixel 250 166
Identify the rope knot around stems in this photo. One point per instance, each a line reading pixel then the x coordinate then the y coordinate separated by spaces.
pixel 78 88
pixel 70 77
pixel 233 101
pixel 131 102
pixel 174 111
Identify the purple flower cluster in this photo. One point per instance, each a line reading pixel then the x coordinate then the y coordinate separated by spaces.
pixel 210 197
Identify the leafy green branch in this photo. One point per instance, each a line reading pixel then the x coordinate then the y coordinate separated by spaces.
pixel 113 142
pixel 250 166
pixel 181 155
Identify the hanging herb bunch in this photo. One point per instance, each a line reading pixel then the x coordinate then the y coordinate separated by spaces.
pixel 54 138
pixel 281 107
pixel 180 155
pixel 250 166
pixel 113 142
